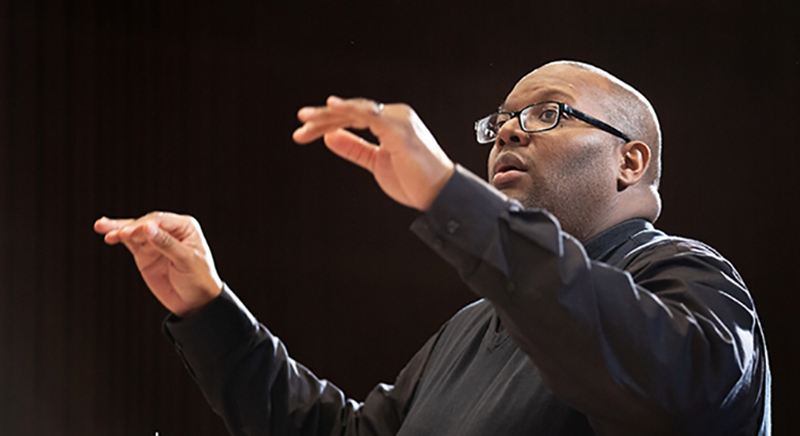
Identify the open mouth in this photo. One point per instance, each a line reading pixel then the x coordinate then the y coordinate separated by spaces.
pixel 508 167
pixel 507 170
pixel 509 162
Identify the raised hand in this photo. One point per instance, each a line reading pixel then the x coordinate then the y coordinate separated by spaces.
pixel 407 163
pixel 172 256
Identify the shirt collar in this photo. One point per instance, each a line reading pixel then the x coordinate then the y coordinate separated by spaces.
pixel 600 246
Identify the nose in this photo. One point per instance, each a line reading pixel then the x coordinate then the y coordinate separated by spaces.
pixel 511 133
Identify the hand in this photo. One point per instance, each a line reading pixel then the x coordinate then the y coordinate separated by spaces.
pixel 408 165
pixel 172 255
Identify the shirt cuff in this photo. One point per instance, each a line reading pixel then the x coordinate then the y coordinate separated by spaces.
pixel 462 223
pixel 212 333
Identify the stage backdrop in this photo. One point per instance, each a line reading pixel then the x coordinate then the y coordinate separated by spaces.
pixel 120 108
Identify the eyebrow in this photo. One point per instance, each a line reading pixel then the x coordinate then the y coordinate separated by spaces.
pixel 551 94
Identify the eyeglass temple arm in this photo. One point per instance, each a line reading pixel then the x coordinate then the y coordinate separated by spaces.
pixel 595 122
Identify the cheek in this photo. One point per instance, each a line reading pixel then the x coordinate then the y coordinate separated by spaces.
pixel 551 159
pixel 584 164
pixel 586 155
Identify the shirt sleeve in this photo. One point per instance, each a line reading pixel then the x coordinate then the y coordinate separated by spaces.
pixel 249 379
pixel 670 346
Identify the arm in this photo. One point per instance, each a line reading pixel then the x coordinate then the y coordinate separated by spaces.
pixel 244 371
pixel 657 353
pixel 250 380
pixel 673 342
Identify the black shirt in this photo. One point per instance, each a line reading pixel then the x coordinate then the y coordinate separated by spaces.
pixel 635 332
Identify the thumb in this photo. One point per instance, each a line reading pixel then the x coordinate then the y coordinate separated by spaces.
pixel 352 147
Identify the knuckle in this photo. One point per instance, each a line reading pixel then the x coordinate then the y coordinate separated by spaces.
pixel 163 239
pixel 192 221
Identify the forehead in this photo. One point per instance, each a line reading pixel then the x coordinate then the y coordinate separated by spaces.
pixel 579 88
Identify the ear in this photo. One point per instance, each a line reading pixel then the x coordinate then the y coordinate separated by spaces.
pixel 634 160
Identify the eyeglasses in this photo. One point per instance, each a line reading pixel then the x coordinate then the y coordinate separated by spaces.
pixel 537 117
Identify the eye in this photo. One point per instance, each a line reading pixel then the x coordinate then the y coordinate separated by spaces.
pixel 548 115
pixel 499 120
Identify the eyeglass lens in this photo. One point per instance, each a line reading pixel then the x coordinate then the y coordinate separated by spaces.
pixel 533 118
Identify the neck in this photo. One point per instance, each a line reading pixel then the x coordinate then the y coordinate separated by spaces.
pixel 627 205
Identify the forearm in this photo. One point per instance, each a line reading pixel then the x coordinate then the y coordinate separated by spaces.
pixel 248 377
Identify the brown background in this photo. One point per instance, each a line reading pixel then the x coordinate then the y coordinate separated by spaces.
pixel 122 107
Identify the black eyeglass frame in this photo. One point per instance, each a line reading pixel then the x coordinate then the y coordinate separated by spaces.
pixel 562 108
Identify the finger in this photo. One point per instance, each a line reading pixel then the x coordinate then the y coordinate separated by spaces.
pixel 168 245
pixel 364 113
pixel 105 224
pixel 314 129
pixel 320 114
pixel 336 104
pixel 133 231
pixel 355 113
pixel 352 148
pixel 309 113
pixel 133 242
pixel 178 225
pixel 147 231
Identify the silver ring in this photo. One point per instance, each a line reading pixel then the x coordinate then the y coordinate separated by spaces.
pixel 378 108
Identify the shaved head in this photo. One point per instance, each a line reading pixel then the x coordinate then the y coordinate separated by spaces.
pixel 628 110
pixel 586 177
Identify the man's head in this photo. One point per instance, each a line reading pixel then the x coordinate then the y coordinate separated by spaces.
pixel 588 178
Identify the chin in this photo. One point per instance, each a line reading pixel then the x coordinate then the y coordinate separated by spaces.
pixel 520 195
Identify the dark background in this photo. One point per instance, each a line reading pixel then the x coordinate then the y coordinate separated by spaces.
pixel 119 108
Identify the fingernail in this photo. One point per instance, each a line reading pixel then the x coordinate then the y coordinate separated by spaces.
pixel 334 100
pixel 152 230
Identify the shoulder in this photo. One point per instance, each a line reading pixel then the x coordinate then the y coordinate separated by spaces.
pixel 656 248
pixel 665 261
pixel 477 312
pixel 468 323
pixel 656 241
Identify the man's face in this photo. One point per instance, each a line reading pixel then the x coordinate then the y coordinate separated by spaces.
pixel 569 170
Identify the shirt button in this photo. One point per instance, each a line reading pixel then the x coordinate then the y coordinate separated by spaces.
pixel 452 226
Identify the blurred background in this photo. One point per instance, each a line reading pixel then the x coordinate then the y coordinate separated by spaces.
pixel 122 107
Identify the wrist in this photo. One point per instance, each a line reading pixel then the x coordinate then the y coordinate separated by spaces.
pixel 438 185
pixel 203 298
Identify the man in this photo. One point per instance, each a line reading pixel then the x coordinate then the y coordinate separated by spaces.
pixel 616 328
